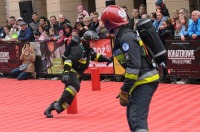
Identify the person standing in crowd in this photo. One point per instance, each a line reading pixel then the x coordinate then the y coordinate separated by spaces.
pixel 80 27
pixel 35 23
pixel 95 21
pixel 80 10
pixel 54 23
pixel 126 10
pixel 161 7
pixel 153 16
pixel 76 60
pixel 175 17
pixel 62 21
pixel 7 37
pixel 185 22
pixel 87 22
pixel 194 27
pixel 28 57
pixel 11 21
pixel 141 78
pixel 142 9
pixel 157 23
pixel 134 19
pixel 25 33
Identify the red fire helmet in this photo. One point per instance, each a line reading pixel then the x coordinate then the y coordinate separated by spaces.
pixel 114 16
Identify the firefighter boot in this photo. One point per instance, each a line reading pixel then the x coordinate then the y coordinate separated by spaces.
pixel 58 107
pixel 48 111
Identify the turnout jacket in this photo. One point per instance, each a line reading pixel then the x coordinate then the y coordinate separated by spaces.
pixel 77 57
pixel 130 53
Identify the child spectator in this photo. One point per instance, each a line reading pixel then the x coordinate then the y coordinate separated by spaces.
pixel 161 7
pixel 153 16
pixel 43 35
pixel 185 22
pixel 177 28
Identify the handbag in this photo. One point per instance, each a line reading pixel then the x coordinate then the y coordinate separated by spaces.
pixel 23 67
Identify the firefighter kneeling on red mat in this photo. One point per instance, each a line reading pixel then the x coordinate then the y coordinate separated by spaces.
pixel 76 59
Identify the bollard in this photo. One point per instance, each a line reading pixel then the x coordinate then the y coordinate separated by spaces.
pixel 95 77
pixel 72 109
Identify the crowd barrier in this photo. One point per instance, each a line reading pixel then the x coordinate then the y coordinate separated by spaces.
pixel 183 58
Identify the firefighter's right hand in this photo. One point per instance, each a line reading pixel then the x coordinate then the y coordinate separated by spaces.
pixel 65 77
pixel 123 98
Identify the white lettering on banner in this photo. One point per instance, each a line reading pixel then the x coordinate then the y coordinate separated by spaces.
pixel 181 56
pixel 100 50
pixel 4 56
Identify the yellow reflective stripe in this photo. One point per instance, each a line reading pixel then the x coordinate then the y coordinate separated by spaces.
pixel 65 105
pixel 68 63
pixel 141 43
pixel 71 91
pixel 145 80
pixel 131 76
pixel 97 57
pixel 82 61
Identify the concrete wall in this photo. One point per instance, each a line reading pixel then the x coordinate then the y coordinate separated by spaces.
pixel 2 13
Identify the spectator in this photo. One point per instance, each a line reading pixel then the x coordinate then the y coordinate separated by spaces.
pixel 142 9
pixel 134 19
pixel 11 21
pixel 67 29
pixel 54 23
pixel 194 27
pixel 16 28
pixel 175 17
pixel 28 57
pixel 81 11
pixel 95 21
pixel 102 31
pixel 126 10
pixel 185 22
pixel 45 23
pixel 35 23
pixel 43 34
pixel 166 30
pixel 80 17
pixel 62 21
pixel 153 16
pixel 145 16
pixel 25 33
pixel 157 23
pixel 183 11
pixel 178 28
pixel 80 27
pixel 7 37
pixel 87 22
pixel 161 7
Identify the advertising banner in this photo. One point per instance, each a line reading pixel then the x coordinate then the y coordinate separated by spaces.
pixel 10 56
pixel 104 47
pixel 183 58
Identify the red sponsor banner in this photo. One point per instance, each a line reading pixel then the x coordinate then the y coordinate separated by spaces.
pixel 10 56
pixel 104 47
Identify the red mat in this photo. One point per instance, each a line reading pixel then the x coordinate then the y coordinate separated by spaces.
pixel 174 108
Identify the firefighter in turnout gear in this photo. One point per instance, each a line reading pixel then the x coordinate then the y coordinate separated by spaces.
pixel 141 77
pixel 76 60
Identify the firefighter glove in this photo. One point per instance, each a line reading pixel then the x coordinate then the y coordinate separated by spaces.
pixel 65 77
pixel 123 98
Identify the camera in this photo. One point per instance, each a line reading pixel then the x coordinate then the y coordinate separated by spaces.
pixel 36 34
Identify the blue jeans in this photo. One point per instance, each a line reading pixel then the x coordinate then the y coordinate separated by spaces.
pixel 21 75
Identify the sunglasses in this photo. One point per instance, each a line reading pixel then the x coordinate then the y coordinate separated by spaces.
pixel 80 18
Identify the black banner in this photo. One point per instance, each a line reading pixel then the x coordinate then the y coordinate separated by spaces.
pixel 183 58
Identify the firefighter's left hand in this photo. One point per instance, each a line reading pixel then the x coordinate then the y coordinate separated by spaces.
pixel 123 98
pixel 65 77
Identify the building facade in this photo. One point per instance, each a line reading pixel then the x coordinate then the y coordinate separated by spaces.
pixel 47 8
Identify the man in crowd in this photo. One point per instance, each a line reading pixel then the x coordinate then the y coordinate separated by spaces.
pixel 194 27
pixel 34 25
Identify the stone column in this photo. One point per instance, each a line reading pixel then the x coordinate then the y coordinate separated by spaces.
pixel 2 13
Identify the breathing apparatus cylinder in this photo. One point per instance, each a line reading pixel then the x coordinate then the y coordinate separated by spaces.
pixel 151 39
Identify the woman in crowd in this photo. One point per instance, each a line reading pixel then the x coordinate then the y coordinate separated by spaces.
pixel 87 22
pixel 80 27
pixel 7 37
pixel 185 22
pixel 28 58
